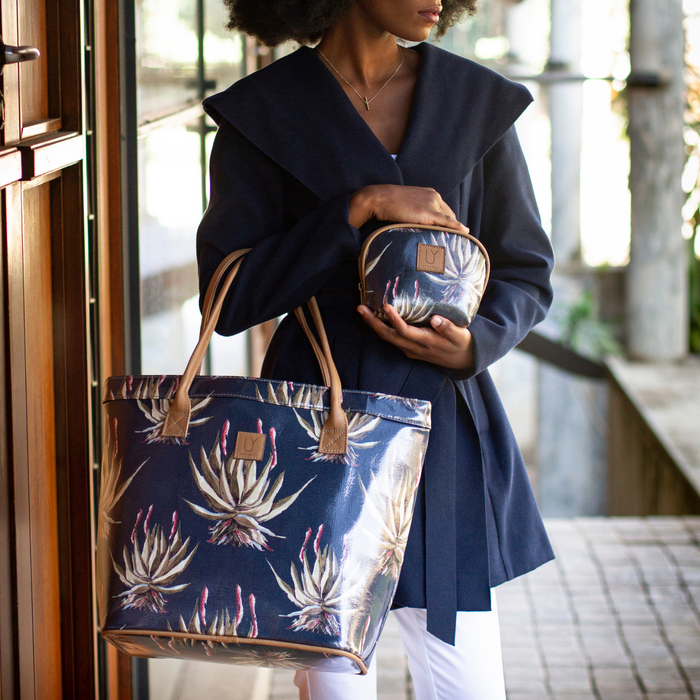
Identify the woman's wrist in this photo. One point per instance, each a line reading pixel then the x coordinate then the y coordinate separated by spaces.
pixel 361 207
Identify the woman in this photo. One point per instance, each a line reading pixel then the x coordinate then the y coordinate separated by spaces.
pixel 312 154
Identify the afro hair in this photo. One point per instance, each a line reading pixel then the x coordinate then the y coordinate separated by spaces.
pixel 273 22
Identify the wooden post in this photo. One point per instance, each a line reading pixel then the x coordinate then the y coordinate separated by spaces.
pixel 657 284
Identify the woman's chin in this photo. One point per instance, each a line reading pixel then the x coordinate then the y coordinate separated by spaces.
pixel 415 35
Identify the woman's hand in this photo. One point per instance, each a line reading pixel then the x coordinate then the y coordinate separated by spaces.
pixel 443 344
pixel 415 205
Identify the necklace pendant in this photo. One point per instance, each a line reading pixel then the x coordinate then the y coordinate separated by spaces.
pixel 366 101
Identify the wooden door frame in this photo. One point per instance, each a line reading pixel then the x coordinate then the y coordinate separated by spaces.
pixel 87 298
pixel 109 51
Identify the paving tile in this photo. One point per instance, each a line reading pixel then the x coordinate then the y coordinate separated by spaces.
pixel 526 686
pixel 573 672
pixel 653 656
pixel 530 673
pixel 661 679
pixel 565 660
pixel 615 680
pixel 520 657
pixel 692 671
pixel 570 685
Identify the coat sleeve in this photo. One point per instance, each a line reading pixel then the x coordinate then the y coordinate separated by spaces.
pixel 289 260
pixel 519 292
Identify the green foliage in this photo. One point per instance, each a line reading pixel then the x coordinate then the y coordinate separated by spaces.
pixel 583 332
pixel 692 120
pixel 694 295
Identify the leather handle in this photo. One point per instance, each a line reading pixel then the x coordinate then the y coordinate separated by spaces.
pixel 320 357
pixel 334 434
pixel 219 273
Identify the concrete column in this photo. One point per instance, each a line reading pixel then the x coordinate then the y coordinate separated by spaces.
pixel 571 449
pixel 657 277
pixel 566 111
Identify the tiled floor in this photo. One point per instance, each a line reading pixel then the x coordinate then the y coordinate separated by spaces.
pixel 615 617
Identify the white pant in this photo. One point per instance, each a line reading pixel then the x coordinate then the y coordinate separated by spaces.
pixel 470 670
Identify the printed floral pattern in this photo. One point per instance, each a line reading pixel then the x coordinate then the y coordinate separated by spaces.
pixel 110 489
pixel 392 509
pixel 359 426
pixel 239 500
pixel 306 396
pixel 151 569
pixel 318 590
pixel 155 408
pixel 223 625
pixel 413 310
pixel 465 271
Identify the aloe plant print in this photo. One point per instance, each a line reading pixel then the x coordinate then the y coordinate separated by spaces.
pixel 307 395
pixel 269 657
pixel 155 407
pixel 318 591
pixel 369 266
pixel 465 271
pixel 239 500
pixel 392 511
pixel 223 625
pixel 150 570
pixel 132 647
pixel 111 490
pixel 411 309
pixel 359 427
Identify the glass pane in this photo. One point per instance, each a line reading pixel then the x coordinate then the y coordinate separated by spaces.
pixel 170 207
pixel 227 356
pixel 223 49
pixel 166 56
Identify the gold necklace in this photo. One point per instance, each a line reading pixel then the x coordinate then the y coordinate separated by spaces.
pixel 364 99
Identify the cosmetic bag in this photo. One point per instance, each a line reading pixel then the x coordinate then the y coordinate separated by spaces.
pixel 423 271
pixel 254 521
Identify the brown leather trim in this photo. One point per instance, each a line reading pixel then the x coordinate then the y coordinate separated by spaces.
pixel 299 313
pixel 238 640
pixel 249 446
pixel 181 403
pixel 334 434
pixel 430 258
pixel 365 246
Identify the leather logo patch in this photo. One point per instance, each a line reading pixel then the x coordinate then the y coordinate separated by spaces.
pixel 250 446
pixel 431 258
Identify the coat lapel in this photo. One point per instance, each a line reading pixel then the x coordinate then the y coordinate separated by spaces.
pixel 296 112
pixel 461 109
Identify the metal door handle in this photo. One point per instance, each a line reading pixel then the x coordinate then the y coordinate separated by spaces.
pixel 16 54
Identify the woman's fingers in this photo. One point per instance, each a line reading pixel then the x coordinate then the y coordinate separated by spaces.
pixel 398 333
pixel 419 205
pixel 443 343
pixel 446 328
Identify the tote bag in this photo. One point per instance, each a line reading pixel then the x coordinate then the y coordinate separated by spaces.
pixel 254 521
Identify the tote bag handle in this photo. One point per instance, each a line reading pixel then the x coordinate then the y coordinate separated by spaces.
pixel 334 434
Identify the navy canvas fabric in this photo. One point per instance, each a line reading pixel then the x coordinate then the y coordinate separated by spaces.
pixel 290 150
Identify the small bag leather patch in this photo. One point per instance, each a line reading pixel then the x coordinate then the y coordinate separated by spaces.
pixel 431 258
pixel 249 446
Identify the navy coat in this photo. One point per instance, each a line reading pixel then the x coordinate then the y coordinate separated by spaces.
pixel 289 152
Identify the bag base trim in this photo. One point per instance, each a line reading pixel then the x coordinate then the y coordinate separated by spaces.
pixel 237 640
